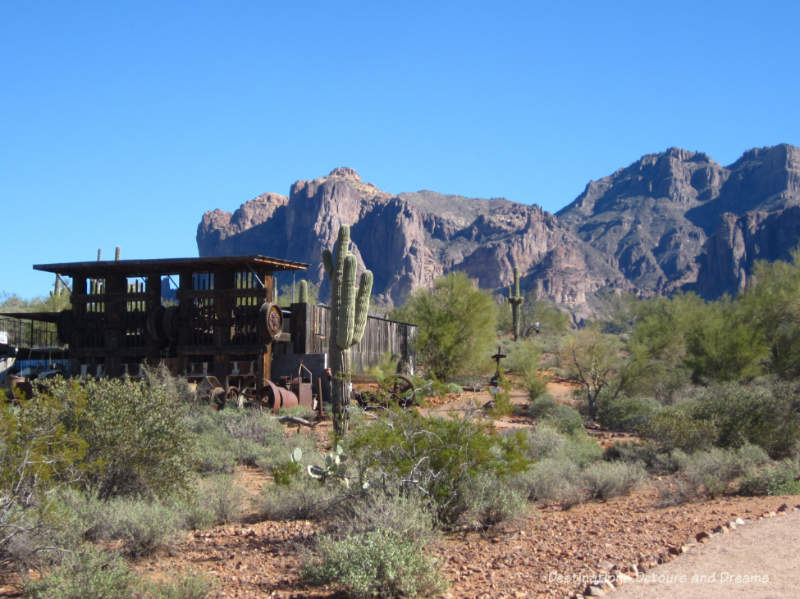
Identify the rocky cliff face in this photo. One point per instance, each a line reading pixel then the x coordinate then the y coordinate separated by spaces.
pixel 410 239
pixel 669 221
pixel 679 220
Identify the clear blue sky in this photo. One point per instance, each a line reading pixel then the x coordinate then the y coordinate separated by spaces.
pixel 122 122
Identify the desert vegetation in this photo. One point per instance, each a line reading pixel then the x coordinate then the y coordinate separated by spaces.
pixel 99 474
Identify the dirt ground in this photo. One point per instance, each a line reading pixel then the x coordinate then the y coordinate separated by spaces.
pixel 550 552
pixel 758 560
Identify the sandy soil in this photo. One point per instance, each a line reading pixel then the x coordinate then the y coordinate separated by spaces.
pixel 758 560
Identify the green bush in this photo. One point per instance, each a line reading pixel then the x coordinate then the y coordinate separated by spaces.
pixel 546 442
pixel 142 526
pixel 654 459
pixel 456 326
pixel 713 472
pixel 630 414
pixel 766 413
pixel 406 514
pixel 546 410
pixel 554 480
pixel 215 452
pixel 674 427
pixel 86 575
pixel 137 442
pixel 780 478
pixel 378 563
pixel 604 480
pixel 91 574
pixel 491 501
pixel 188 586
pixel 222 497
pixel 435 456
pixel 302 499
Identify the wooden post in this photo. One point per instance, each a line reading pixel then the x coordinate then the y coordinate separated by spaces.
pixel 114 297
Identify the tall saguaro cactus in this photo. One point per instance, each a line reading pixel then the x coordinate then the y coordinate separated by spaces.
pixel 515 300
pixel 349 307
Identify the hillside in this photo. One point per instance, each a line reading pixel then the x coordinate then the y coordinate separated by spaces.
pixel 669 221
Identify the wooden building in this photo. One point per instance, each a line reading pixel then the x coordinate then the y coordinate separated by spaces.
pixel 213 315
pixel 202 316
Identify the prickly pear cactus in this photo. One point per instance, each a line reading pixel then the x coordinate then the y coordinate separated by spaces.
pixel 349 309
pixel 515 300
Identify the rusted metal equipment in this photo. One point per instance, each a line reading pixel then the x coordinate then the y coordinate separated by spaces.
pixel 301 386
pixel 278 397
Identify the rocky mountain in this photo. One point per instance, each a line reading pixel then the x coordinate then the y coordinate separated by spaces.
pixel 679 220
pixel 408 240
pixel 674 220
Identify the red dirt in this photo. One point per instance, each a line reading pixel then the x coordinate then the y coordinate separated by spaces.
pixel 548 553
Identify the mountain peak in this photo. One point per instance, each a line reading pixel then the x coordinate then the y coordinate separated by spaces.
pixel 346 172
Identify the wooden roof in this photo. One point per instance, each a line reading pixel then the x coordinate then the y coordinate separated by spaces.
pixel 133 268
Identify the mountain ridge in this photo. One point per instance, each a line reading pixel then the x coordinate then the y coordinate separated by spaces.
pixel 673 220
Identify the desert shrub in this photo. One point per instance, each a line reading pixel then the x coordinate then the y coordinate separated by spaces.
pixel 765 413
pixel 714 471
pixel 434 456
pixel 86 575
pixel 491 501
pixel 142 526
pixel 221 497
pixel 594 360
pixel 302 499
pixel 456 326
pixel 628 414
pixel 137 442
pixel 546 442
pixel 554 480
pixel 522 357
pixel 548 411
pixel 722 346
pixel 406 514
pixel 377 563
pixel 39 450
pixel 673 427
pixel 181 586
pixel 779 478
pixel 648 453
pixel 604 480
pixel 215 452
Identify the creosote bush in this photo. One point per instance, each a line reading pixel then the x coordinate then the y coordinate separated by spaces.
pixel 434 456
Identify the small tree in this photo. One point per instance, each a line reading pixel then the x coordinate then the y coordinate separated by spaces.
pixel 457 325
pixel 593 360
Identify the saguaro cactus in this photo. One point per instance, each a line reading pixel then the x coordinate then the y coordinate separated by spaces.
pixel 349 307
pixel 515 300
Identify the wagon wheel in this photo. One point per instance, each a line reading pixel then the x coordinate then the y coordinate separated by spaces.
pixel 232 396
pixel 401 390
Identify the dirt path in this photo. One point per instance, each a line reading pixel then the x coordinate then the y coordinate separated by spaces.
pixel 757 560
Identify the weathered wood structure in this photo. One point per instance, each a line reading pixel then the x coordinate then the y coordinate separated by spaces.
pixel 310 323
pixel 211 316
pixel 220 320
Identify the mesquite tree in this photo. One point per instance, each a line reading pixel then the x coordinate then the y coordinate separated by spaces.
pixel 515 300
pixel 349 307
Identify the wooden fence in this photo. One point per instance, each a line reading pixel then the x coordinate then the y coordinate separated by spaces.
pixel 310 325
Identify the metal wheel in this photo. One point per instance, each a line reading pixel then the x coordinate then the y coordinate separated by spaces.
pixel 401 390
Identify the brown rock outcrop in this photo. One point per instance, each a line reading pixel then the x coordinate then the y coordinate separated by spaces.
pixel 669 221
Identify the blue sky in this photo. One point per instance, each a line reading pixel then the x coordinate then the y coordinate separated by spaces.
pixel 122 122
